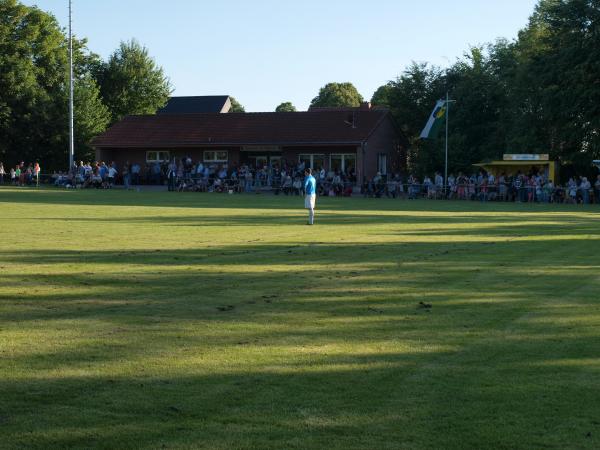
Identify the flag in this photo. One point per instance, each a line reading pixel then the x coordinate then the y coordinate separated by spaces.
pixel 436 120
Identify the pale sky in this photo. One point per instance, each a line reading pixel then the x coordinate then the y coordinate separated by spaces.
pixel 265 52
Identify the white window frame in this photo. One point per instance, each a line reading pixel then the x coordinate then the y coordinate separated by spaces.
pixel 311 156
pixel 215 159
pixel 382 157
pixel 343 158
pixel 158 158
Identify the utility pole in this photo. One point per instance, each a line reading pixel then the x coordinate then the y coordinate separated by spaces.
pixel 448 102
pixel 71 94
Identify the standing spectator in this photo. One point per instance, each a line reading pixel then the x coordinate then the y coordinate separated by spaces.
pixel 172 174
pixel 597 189
pixel 502 190
pixel 36 173
pixel 2 173
pixel 13 176
pixel 19 176
pixel 136 169
pixel 413 187
pixel 28 175
pixel 126 175
pixel 585 187
pixel 451 187
pixel 572 190
pixel 112 174
pixel 439 185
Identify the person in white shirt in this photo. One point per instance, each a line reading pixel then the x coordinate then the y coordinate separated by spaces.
pixel 585 187
pixel 112 174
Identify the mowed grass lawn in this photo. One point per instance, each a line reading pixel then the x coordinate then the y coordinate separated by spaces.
pixel 165 320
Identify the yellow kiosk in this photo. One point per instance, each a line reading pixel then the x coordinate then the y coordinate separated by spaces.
pixel 511 164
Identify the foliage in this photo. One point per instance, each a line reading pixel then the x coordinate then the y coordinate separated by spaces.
pixel 286 107
pixel 236 107
pixel 538 94
pixel 32 77
pixel 34 88
pixel 132 83
pixel 91 116
pixel 337 95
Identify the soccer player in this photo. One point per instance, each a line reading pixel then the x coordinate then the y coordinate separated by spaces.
pixel 310 191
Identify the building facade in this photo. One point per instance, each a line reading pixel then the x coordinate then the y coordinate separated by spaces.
pixel 362 140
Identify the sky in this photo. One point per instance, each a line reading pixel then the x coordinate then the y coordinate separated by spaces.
pixel 265 52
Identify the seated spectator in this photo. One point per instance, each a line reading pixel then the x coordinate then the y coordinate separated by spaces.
pixel 297 186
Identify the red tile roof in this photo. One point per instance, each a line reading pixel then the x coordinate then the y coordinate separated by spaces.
pixel 189 130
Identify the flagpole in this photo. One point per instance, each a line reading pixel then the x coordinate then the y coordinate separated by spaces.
pixel 71 108
pixel 447 118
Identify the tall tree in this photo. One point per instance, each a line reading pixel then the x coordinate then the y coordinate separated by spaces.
pixel 132 83
pixel 411 97
pixel 91 115
pixel 286 107
pixel 34 88
pixel 337 95
pixel 236 107
pixel 558 78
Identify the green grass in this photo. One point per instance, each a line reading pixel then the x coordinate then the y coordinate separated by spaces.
pixel 157 320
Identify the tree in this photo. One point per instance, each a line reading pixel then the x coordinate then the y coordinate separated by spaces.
pixel 132 83
pixel 411 98
pixel 382 95
pixel 236 107
pixel 286 107
pixel 557 79
pixel 34 88
pixel 91 115
pixel 337 95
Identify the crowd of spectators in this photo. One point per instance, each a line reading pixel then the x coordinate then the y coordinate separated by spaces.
pixel 284 179
pixel 521 187
pixel 186 175
pixel 21 175
pixel 87 175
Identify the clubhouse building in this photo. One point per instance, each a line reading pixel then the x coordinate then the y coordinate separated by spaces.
pixel 362 139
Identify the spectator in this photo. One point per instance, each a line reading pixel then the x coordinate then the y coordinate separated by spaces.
pixel 597 189
pixel 126 175
pixel 439 184
pixel 452 188
pixel 136 169
pixel 572 190
pixel 585 187
pixel 2 173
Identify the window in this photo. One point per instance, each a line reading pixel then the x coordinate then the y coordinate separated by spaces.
pixel 382 163
pixel 158 156
pixel 258 161
pixel 216 156
pixel 343 162
pixel 315 162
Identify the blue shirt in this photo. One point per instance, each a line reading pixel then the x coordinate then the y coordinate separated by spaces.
pixel 310 185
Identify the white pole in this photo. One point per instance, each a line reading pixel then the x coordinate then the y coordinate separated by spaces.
pixel 71 94
pixel 447 118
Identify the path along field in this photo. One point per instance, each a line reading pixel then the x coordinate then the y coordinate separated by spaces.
pixel 158 320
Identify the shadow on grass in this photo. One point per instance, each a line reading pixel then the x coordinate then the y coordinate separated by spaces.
pixel 268 201
pixel 272 346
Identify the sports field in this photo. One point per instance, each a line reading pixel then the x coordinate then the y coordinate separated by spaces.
pixel 158 320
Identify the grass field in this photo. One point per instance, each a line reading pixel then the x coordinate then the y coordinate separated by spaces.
pixel 157 320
